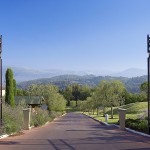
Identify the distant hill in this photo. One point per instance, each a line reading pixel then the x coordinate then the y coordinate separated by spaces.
pixel 131 84
pixel 132 72
pixel 132 78
pixel 26 74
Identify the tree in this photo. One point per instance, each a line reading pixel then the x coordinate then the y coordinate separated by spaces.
pixel 133 98
pixel 55 101
pixel 85 91
pixel 19 92
pixel 144 87
pixel 115 94
pixel 14 85
pixel 76 92
pixel 9 98
pixel 68 94
pixel 102 95
pixel 109 94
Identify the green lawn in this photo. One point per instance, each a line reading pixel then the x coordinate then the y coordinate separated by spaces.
pixel 134 110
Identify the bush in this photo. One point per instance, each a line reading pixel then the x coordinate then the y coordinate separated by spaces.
pixel 56 102
pixel 54 114
pixel 12 118
pixel 39 117
pixel 137 124
pixel 73 104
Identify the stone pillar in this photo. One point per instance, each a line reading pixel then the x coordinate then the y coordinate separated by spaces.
pixel 122 117
pixel 26 116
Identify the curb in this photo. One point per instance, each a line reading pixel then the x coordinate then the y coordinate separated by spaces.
pixel 4 136
pixel 59 117
pixel 104 123
pixel 126 129
pixel 137 132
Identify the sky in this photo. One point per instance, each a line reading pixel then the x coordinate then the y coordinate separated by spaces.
pixel 75 34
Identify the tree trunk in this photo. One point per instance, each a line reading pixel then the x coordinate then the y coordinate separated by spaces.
pixel 97 112
pixel 69 102
pixel 112 112
pixel 93 111
pixel 76 102
pixel 104 111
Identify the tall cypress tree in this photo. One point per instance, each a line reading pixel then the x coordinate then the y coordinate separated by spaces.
pixel 14 85
pixel 9 98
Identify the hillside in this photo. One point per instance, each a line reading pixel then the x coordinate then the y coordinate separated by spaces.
pixel 131 84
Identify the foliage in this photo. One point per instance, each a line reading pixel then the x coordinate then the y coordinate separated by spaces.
pixel 107 94
pixel 39 117
pixel 137 124
pixel 67 93
pixel 81 105
pixel 21 92
pixel 144 87
pixel 133 98
pixel 76 92
pixel 12 118
pixel 132 84
pixel 14 86
pixel 85 91
pixel 136 116
pixel 54 100
pixel 9 98
pixel 132 108
pixel 55 114
pixel 113 93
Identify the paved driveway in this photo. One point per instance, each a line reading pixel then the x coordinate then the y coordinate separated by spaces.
pixel 75 132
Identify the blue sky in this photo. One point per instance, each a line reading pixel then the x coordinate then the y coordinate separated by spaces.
pixel 75 34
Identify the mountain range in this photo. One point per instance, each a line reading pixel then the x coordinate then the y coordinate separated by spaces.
pixel 25 74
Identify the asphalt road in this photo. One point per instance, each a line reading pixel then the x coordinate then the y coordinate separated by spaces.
pixel 75 132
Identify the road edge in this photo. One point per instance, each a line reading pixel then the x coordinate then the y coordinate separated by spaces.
pixel 127 129
pixel 7 135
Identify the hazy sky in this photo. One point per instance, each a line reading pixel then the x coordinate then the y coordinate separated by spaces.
pixel 75 34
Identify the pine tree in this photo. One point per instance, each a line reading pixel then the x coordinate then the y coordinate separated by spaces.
pixel 9 98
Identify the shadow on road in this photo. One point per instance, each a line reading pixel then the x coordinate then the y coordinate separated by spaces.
pixel 77 132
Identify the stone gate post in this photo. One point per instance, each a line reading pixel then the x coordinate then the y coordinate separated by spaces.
pixel 27 118
pixel 122 117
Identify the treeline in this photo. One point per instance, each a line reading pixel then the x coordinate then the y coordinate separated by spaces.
pixel 131 84
pixel 77 92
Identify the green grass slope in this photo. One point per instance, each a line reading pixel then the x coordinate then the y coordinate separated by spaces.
pixel 134 110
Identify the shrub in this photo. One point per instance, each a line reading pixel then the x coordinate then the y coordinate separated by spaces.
pixel 137 124
pixel 73 104
pixel 56 102
pixel 54 114
pixel 39 117
pixel 12 118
